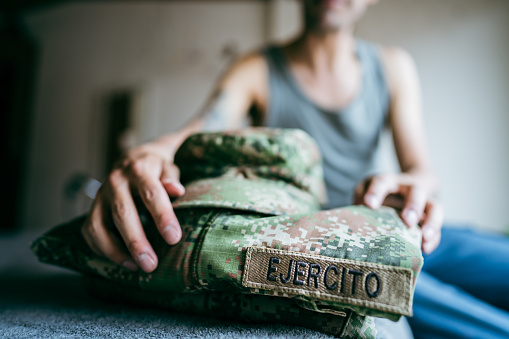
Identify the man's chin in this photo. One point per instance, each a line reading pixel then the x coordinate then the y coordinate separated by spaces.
pixel 331 25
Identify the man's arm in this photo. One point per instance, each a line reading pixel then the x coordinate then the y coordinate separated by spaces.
pixel 417 182
pixel 148 170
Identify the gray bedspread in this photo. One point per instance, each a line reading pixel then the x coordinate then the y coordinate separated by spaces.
pixel 41 301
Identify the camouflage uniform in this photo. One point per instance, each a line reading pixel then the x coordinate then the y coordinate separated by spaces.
pixel 255 245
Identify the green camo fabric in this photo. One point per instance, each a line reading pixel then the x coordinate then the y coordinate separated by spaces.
pixel 251 188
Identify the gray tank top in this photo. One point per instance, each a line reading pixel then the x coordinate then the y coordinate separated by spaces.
pixel 348 138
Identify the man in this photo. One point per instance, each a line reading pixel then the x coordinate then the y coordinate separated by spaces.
pixel 339 89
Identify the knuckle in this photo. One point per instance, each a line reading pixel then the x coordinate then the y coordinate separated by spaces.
pixel 150 193
pixel 376 189
pixel 137 167
pixel 384 177
pixel 416 198
pixel 115 178
pixel 119 211
pixel 418 192
pixel 380 181
pixel 162 219
pixel 135 247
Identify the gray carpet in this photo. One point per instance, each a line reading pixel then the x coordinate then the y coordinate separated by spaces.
pixel 41 301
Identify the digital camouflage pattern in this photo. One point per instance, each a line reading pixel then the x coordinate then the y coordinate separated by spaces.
pixel 287 155
pixel 271 171
pixel 221 220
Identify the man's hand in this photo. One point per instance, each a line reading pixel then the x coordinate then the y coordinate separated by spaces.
pixel 146 171
pixel 402 191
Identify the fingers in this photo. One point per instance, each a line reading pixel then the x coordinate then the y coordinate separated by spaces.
pixel 415 202
pixel 397 192
pixel 102 241
pixel 148 179
pixel 432 226
pixel 115 195
pixel 394 200
pixel 156 199
pixel 170 179
pixel 378 189
pixel 125 218
pixel 154 179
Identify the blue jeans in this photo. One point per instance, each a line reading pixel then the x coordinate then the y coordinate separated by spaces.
pixel 463 290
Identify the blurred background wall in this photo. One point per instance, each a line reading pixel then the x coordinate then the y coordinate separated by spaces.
pixel 165 56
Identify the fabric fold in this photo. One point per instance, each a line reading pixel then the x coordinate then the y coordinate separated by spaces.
pixel 255 244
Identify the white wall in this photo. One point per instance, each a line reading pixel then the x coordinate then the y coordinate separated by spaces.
pixel 172 52
pixel 462 50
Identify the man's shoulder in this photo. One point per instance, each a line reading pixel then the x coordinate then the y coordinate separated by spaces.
pixel 253 61
pixel 395 54
pixel 246 71
pixel 249 74
pixel 398 63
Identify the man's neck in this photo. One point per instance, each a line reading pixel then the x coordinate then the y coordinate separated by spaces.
pixel 326 51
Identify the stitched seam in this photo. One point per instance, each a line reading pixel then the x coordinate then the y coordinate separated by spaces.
pixel 197 252
pixel 314 256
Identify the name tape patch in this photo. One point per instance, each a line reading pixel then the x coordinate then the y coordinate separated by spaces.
pixel 379 287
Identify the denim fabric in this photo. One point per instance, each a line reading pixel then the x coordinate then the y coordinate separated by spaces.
pixel 463 290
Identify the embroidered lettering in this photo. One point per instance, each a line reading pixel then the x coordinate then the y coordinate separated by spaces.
pixel 289 275
pixel 272 261
pixel 354 282
pixel 326 277
pixel 314 274
pixel 323 278
pixel 299 273
pixel 378 285
pixel 342 289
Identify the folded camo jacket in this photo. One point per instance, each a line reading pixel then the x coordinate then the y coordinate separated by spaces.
pixel 255 245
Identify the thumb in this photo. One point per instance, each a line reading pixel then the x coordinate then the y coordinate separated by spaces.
pixel 170 179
